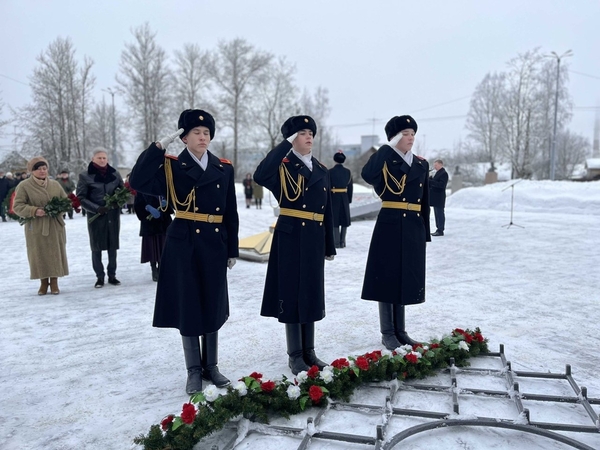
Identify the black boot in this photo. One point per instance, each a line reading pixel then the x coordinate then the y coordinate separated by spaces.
pixel 336 237
pixel 343 237
pixel 154 267
pixel 293 337
pixel 210 371
pixel 386 325
pixel 400 328
pixel 193 364
pixel 308 346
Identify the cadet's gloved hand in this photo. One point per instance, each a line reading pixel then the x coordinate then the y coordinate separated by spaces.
pixel 231 262
pixel 395 140
pixel 102 210
pixel 152 210
pixel 292 137
pixel 164 142
pixel 330 258
pixel 163 202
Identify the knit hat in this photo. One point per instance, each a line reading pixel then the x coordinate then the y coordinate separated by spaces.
pixel 397 124
pixel 297 123
pixel 34 161
pixel 339 157
pixel 192 118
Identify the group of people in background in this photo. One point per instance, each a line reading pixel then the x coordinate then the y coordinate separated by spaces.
pixel 190 254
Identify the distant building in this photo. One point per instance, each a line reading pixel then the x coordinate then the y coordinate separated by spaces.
pixel 592 168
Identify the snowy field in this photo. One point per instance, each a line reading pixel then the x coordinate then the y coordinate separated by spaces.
pixel 86 370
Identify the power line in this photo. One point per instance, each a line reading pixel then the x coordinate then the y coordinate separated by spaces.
pixel 12 79
pixel 585 74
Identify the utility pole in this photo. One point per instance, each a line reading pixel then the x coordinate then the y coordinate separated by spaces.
pixel 553 149
pixel 115 156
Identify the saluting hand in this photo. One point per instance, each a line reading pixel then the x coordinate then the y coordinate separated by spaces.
pixel 292 137
pixel 164 142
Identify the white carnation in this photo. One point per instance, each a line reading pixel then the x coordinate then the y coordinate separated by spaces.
pixel 463 345
pixel 241 388
pixel 302 376
pixel 386 352
pixel 211 393
pixel 326 376
pixel 417 354
pixel 293 392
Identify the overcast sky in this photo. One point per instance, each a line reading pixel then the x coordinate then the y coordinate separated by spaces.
pixel 378 59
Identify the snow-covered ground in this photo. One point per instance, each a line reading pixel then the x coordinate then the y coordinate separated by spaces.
pixel 86 370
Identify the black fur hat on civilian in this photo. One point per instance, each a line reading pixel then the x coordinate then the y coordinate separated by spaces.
pixel 339 157
pixel 192 118
pixel 397 124
pixel 297 123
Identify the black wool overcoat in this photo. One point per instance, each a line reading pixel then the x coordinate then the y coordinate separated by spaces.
pixel 341 178
pixel 395 270
pixel 295 288
pixel 150 226
pixel 191 293
pixel 437 188
pixel 92 186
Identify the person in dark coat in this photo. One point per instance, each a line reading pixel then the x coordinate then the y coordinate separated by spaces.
pixel 98 180
pixel 202 241
pixel 67 184
pixel 437 196
pixel 247 183
pixel 5 186
pixel 153 228
pixel 395 273
pixel 257 193
pixel 294 290
pixel 341 197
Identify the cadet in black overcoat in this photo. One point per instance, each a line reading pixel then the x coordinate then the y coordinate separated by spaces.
pixel 303 238
pixel 395 273
pixel 341 197
pixel 437 196
pixel 98 180
pixel 202 241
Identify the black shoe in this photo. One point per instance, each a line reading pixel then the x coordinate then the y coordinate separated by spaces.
pixel 217 378
pixel 297 364
pixel 113 281
pixel 438 233
pixel 310 358
pixel 194 381
pixel 390 341
pixel 405 339
pixel 99 283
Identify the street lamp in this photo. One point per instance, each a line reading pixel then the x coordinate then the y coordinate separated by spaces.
pixel 115 157
pixel 553 148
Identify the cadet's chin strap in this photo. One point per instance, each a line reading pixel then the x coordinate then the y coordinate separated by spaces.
pixel 399 184
pixel 190 200
pixel 297 186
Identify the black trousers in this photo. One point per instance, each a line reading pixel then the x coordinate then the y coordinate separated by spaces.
pixel 99 267
pixel 440 217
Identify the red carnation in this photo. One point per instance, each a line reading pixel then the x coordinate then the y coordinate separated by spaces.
pixel 410 357
pixel 257 376
pixel 432 346
pixel 459 331
pixel 468 338
pixel 373 356
pixel 315 393
pixel 267 386
pixel 166 422
pixel 340 363
pixel 188 414
pixel 479 337
pixel 75 203
pixel 313 372
pixel 362 363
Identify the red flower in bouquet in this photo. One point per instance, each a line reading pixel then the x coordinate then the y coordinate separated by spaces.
pixel 432 346
pixel 459 331
pixel 410 357
pixel 373 356
pixel 257 376
pixel 479 337
pixel 468 338
pixel 315 393
pixel 267 386
pixel 340 363
pixel 166 422
pixel 75 202
pixel 313 372
pixel 362 363
pixel 188 414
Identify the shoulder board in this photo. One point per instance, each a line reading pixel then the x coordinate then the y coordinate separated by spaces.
pixel 285 160
pixel 171 157
pixel 421 158
pixel 224 161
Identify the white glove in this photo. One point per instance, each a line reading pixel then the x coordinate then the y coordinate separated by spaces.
pixel 395 140
pixel 330 258
pixel 231 262
pixel 164 142
pixel 292 137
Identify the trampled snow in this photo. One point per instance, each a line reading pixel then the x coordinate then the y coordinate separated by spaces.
pixel 86 370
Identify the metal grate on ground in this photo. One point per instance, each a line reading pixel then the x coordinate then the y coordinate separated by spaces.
pixel 489 394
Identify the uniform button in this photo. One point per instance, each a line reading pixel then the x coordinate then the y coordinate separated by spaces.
pixel 218 209
pixel 323 207
pixel 418 200
pixel 218 186
pixel 196 208
pixel 307 189
pixel 403 199
pixel 324 189
pixel 303 224
pixel 216 230
pixel 197 230
pixel 420 184
pixel 304 206
pixel 418 215
pixel 404 214
pixel 321 223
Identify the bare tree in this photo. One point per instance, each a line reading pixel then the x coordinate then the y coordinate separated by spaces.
pixel 317 106
pixel 144 80
pixel 191 79
pixel 235 68
pixel 100 127
pixel 571 150
pixel 60 92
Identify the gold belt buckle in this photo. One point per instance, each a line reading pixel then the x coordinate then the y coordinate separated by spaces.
pixel 210 218
pixel 315 217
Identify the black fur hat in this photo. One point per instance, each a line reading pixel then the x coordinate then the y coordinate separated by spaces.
pixel 398 123
pixel 339 157
pixel 297 123
pixel 192 118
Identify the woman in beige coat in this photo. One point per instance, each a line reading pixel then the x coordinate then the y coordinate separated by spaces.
pixel 45 236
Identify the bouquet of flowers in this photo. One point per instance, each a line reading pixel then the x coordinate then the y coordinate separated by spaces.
pixel 55 207
pixel 75 203
pixel 114 201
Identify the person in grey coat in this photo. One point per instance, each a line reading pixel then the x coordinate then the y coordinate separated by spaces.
pixel 98 180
